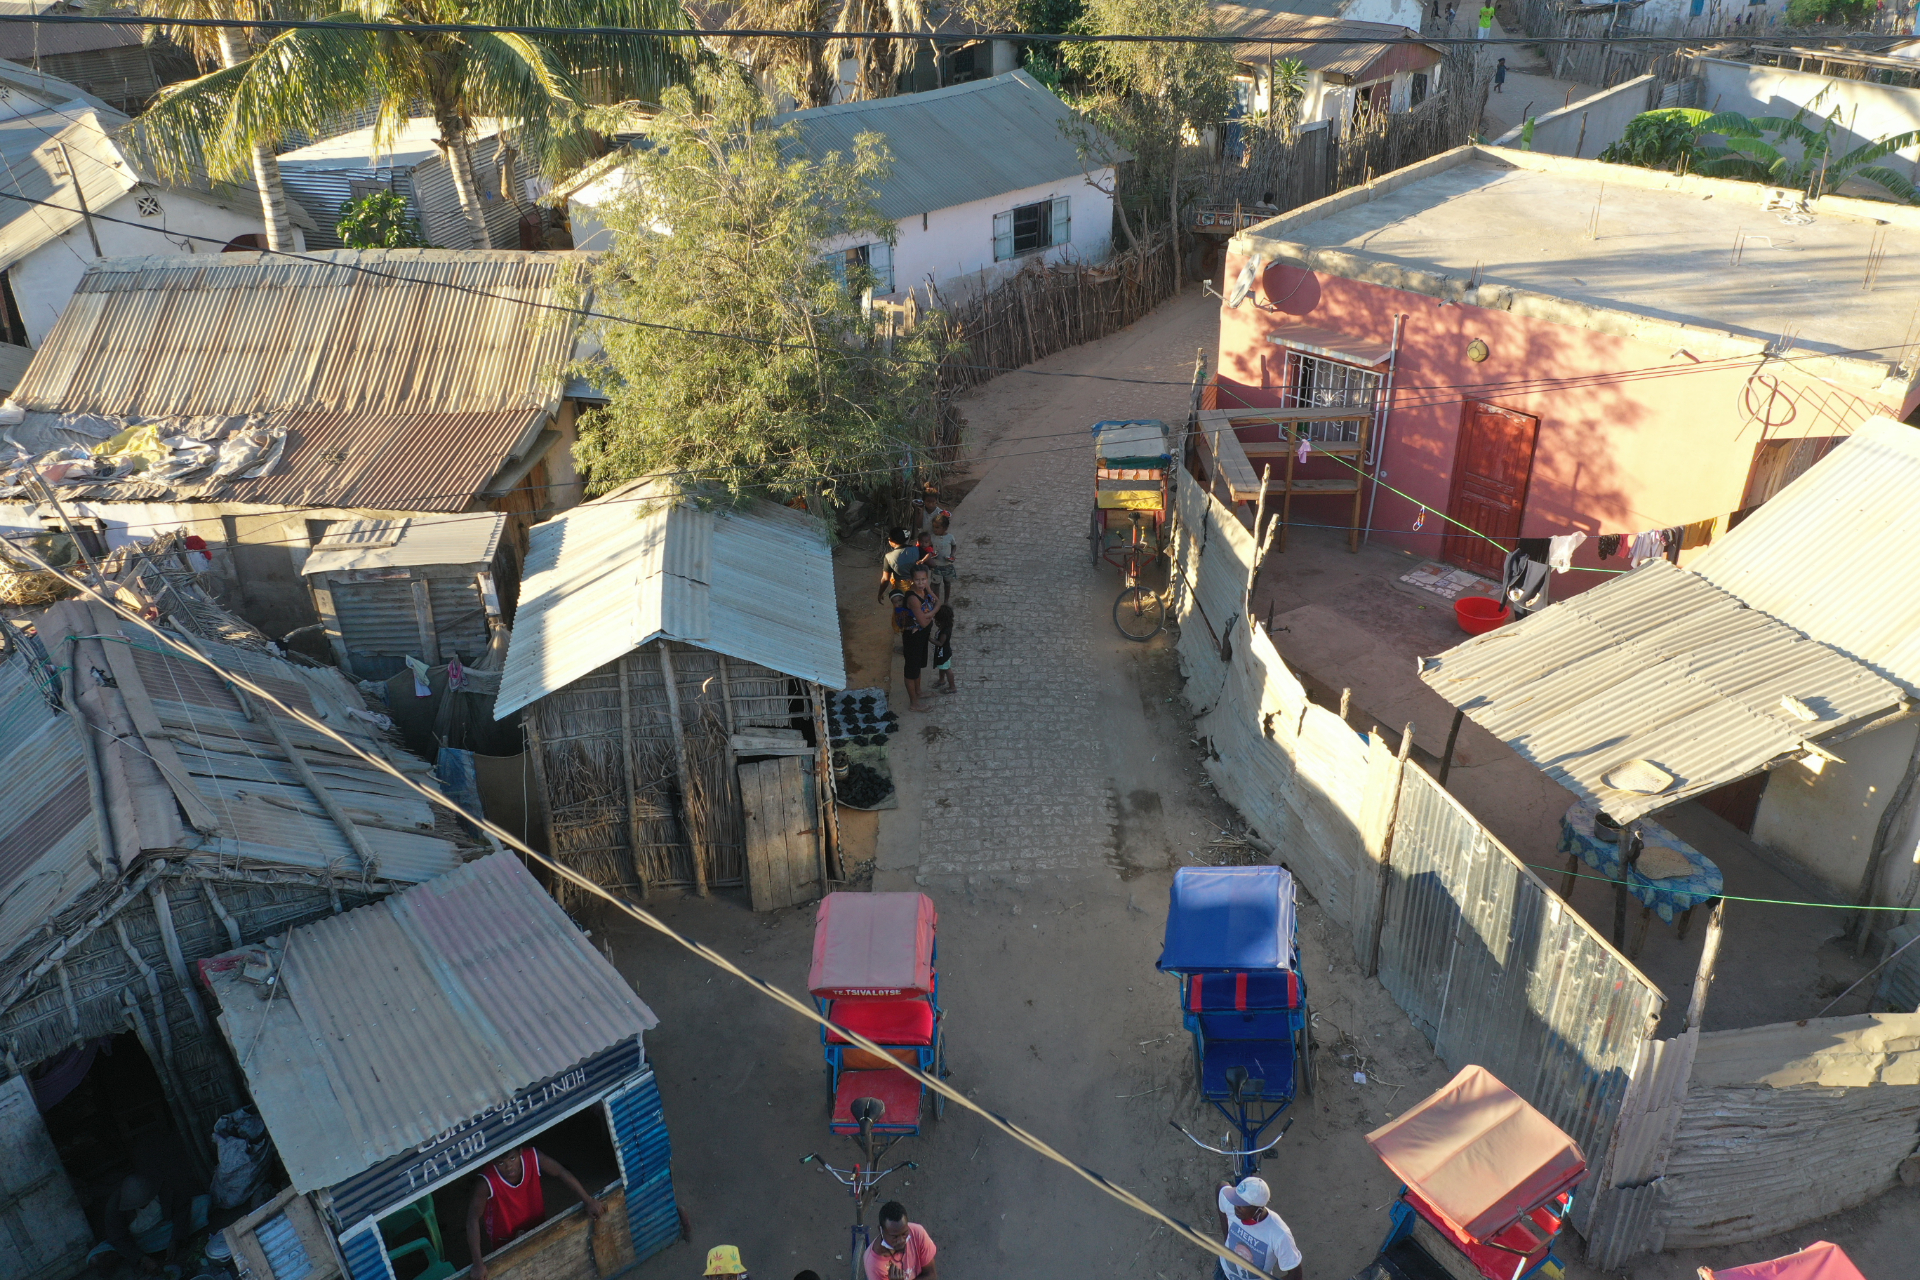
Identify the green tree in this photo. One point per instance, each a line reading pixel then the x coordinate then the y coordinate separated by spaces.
pixel 720 231
pixel 229 47
pixel 301 81
pixel 1809 13
pixel 1781 151
pixel 1153 99
pixel 379 220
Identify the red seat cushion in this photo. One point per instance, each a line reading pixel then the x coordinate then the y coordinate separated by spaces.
pixel 906 1022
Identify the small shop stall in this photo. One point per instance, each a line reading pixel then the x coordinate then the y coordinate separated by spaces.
pixel 396 1050
pixel 1489 1182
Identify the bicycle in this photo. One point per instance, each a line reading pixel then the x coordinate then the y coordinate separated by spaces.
pixel 1139 611
pixel 861 1180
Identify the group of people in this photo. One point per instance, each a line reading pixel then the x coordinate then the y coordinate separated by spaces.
pixel 903 1251
pixel 917 577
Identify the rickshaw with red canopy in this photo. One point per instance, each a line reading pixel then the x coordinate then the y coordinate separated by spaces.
pixel 1821 1260
pixel 876 972
pixel 1488 1184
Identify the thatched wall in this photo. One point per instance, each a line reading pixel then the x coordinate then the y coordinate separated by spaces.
pixel 605 746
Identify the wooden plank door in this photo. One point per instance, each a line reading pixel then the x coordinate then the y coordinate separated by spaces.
pixel 42 1229
pixel 1491 466
pixel 783 862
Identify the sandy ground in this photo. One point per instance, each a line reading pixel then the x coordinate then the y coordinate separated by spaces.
pixel 1045 807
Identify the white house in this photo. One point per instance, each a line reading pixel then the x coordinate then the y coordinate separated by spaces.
pixel 986 178
pixel 90 200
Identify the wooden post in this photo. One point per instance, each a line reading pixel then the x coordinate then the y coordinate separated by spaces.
pixel 537 766
pixel 680 759
pixel 627 755
pixel 1453 735
pixel 1703 975
pixel 423 618
pixel 1632 855
pixel 1383 862
pixel 1286 494
pixel 176 961
pixel 829 820
pixel 322 588
pixel 1259 546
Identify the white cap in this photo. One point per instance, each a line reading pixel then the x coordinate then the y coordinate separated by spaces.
pixel 1251 1191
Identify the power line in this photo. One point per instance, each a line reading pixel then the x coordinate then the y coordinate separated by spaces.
pixel 699 949
pixel 771 33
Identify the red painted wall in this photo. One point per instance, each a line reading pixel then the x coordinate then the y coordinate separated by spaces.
pixel 1669 444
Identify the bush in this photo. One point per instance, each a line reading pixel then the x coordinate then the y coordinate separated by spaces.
pixel 379 221
pixel 1808 13
pixel 1657 139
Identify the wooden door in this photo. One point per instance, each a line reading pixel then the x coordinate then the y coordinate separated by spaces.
pixel 1491 466
pixel 783 854
pixel 42 1229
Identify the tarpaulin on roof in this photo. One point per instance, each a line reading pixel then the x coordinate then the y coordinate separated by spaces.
pixel 1821 1260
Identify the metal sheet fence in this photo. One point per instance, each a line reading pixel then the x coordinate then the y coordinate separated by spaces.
pixel 1495 969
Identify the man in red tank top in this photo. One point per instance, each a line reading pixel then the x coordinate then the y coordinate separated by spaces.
pixel 507 1200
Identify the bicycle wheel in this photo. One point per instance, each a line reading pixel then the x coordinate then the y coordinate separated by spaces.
pixel 1303 1059
pixel 939 1073
pixel 1095 535
pixel 1139 612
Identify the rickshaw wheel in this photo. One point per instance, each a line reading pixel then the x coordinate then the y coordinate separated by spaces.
pixel 1094 535
pixel 1303 1055
pixel 1139 613
pixel 939 1073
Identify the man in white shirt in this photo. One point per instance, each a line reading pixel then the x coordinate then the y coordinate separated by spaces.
pixel 1255 1233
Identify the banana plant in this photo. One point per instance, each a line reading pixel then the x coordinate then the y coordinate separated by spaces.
pixel 1781 151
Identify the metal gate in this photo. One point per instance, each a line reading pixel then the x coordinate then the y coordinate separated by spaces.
pixel 1495 969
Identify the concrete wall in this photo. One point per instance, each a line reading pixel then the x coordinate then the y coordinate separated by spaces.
pixel 1613 455
pixel 1589 126
pixel 45 278
pixel 1867 111
pixel 1826 821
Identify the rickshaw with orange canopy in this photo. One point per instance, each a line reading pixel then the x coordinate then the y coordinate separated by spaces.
pixel 876 972
pixel 1488 1183
pixel 1821 1260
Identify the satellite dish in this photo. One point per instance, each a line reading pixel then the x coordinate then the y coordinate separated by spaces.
pixel 1244 285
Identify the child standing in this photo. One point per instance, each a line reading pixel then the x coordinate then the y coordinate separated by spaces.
pixel 943 649
pixel 940 544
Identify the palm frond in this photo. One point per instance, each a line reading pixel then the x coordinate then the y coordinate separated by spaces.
pixel 1878 149
pixel 514 78
pixel 179 134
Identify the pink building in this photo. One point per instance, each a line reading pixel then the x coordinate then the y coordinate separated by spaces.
pixel 1551 345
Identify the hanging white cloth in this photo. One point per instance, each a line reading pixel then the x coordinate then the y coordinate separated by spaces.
pixel 1651 545
pixel 1560 551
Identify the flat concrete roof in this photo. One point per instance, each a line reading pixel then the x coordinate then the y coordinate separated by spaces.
pixel 1664 248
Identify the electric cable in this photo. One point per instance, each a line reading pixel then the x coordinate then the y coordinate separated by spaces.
pixel 636 912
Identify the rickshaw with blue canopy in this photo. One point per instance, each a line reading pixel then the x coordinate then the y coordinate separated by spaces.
pixel 1232 939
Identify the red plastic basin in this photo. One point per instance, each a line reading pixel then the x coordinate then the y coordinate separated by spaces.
pixel 1480 614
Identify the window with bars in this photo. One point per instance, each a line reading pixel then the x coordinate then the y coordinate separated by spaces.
pixel 1031 228
pixel 1313 382
pixel 876 258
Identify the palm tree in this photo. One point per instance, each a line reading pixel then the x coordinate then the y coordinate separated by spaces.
pixel 799 67
pixel 878 62
pixel 299 81
pixel 228 47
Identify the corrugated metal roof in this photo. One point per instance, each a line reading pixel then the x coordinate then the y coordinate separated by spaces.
pixel 406 542
pixel 1659 665
pixel 412 143
pixel 32 168
pixel 605 578
pixel 955 145
pixel 50 849
pixel 408 377
pixel 1277 34
pixel 403 1019
pixel 25 41
pixel 1832 553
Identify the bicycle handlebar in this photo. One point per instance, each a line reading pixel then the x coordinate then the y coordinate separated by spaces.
pixel 1222 1152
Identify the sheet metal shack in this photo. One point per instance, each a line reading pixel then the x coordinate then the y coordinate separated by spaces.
pixel 670 658
pixel 414 1040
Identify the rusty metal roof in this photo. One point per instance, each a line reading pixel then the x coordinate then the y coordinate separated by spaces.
pixel 1273 35
pixel 407 378
pixel 1657 665
pixel 400 1020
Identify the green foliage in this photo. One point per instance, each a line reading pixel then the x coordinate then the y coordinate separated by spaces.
pixel 720 230
pixel 1780 151
pixel 379 220
pixel 299 81
pixel 1808 13
pixel 1655 140
pixel 1153 99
